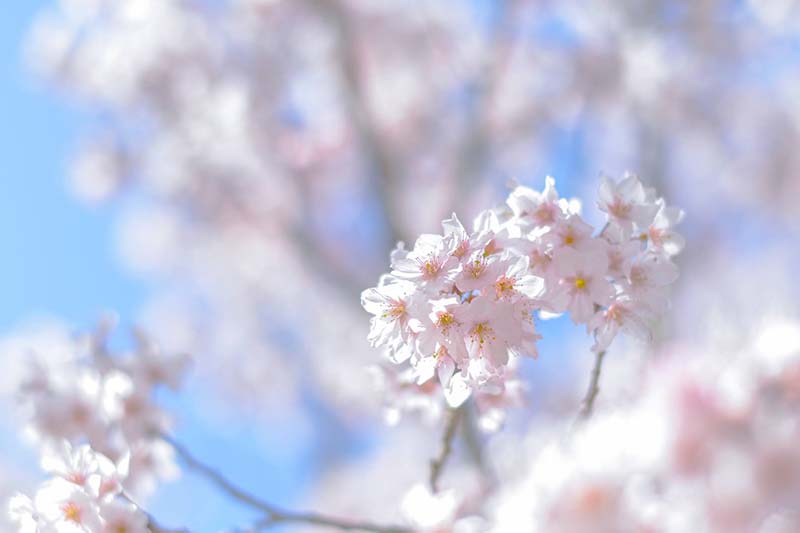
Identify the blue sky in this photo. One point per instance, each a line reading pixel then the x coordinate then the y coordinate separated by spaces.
pixel 58 261
pixel 57 254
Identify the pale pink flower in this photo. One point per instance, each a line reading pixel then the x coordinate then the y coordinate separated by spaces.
pixel 478 272
pixel 390 304
pixel 443 329
pixel 535 208
pixel 626 203
pixel 150 366
pixel 582 283
pixel 540 256
pixel 23 514
pixel 67 508
pixel 459 243
pixel 80 465
pixel 496 329
pixel 621 315
pixel 517 281
pixel 428 263
pixel 121 516
pixel 573 232
pixel 661 236
pixel 648 279
pixel 620 258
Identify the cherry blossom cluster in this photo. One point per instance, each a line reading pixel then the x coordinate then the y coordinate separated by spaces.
pixel 709 445
pixel 93 397
pixel 460 305
pixel 85 493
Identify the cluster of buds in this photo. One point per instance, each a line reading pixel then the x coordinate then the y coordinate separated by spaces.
pixel 106 401
pixel 460 305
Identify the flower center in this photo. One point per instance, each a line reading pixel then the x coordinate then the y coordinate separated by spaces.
pixel 395 310
pixel 430 268
pixel 461 250
pixel 476 268
pixel 72 513
pixel 580 283
pixel 504 286
pixel 444 320
pixel 620 209
pixel 481 332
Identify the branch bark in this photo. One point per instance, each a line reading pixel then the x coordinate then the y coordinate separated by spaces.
pixel 438 462
pixel 272 514
pixel 587 405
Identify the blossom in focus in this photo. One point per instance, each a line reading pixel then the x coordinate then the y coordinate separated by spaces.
pixel 460 306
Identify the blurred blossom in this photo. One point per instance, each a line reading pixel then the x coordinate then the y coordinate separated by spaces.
pixel 268 159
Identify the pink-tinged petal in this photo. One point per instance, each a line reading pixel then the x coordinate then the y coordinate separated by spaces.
pixel 445 367
pixel 498 353
pixel 606 191
pixel 601 291
pixel 663 272
pixel 457 391
pixel 581 308
pixel 530 286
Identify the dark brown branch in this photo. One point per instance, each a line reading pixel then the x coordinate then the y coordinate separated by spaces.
pixel 587 405
pixel 438 463
pixel 272 515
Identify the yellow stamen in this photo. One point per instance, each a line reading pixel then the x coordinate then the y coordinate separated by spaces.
pixel 481 332
pixel 504 286
pixel 580 283
pixel 72 512
pixel 445 319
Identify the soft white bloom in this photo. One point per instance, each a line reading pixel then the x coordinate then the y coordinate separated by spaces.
pixel 121 516
pixel 67 508
pixel 573 232
pixel 622 314
pixel 428 263
pixel 23 514
pixel 582 283
pixel 458 308
pixel 648 279
pixel 390 302
pixel 661 235
pixel 83 467
pixel 535 208
pixel 626 204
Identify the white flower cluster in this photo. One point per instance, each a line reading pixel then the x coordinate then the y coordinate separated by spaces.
pixel 709 446
pixel 106 401
pixel 84 494
pixel 461 305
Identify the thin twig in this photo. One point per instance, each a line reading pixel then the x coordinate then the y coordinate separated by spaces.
pixel 437 463
pixel 272 515
pixel 152 525
pixel 474 447
pixel 587 405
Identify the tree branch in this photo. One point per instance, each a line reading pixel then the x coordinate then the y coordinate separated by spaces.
pixel 474 447
pixel 382 160
pixel 587 405
pixel 437 463
pixel 273 515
